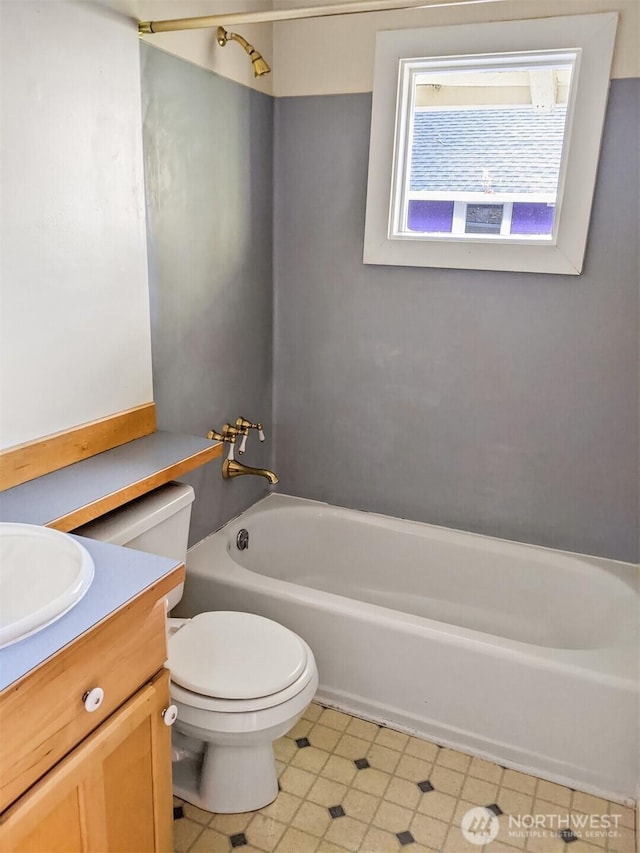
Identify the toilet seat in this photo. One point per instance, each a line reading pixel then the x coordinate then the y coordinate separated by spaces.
pixel 235 662
pixel 241 707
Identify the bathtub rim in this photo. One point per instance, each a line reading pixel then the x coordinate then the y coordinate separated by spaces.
pixel 599 664
pixel 283 499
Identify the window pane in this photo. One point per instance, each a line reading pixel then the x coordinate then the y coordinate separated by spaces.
pixel 532 218
pixel 483 219
pixel 482 136
pixel 433 216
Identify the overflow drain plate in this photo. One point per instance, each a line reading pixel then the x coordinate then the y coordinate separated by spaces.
pixel 242 539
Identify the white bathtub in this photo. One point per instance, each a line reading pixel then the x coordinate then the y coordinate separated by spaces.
pixel 523 655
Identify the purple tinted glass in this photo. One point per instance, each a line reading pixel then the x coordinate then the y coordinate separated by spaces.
pixel 429 216
pixel 532 218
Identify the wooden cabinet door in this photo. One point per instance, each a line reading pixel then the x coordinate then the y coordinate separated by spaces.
pixel 112 793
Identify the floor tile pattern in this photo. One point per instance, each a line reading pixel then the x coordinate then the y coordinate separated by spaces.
pixel 347 784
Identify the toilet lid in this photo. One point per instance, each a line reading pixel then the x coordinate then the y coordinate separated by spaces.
pixel 231 655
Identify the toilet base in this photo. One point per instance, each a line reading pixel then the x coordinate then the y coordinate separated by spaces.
pixel 186 780
pixel 224 756
pixel 228 779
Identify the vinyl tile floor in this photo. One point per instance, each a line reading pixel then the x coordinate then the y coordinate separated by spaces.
pixel 350 785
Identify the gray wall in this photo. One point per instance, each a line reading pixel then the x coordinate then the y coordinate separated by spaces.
pixel 208 150
pixel 494 402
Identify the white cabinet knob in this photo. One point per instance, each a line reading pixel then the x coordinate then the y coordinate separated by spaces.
pixel 170 715
pixel 93 699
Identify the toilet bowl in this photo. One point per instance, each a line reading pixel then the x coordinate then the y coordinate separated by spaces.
pixel 239 681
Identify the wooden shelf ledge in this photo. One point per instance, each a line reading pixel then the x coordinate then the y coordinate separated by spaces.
pixel 25 462
pixel 78 493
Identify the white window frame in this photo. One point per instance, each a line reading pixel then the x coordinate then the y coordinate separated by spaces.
pixel 592 36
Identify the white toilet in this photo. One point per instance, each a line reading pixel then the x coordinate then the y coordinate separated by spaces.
pixel 240 681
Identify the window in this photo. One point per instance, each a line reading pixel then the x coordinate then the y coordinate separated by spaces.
pixel 484 143
pixel 484 136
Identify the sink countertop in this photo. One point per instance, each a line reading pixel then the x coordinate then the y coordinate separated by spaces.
pixel 120 575
pixel 84 490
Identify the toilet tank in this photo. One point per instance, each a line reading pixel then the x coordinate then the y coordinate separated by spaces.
pixel 157 523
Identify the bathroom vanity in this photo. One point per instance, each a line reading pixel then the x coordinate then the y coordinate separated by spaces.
pixel 76 775
pixel 85 745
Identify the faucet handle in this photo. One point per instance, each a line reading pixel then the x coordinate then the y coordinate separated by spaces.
pixel 239 429
pixel 226 435
pixel 243 423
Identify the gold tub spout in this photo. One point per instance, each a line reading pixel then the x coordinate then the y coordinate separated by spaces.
pixel 231 468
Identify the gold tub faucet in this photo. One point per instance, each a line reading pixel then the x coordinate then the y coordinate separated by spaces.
pixel 231 467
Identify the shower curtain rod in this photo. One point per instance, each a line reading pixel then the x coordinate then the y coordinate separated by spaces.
pixel 147 27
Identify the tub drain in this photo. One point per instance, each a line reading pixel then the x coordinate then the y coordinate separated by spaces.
pixel 242 539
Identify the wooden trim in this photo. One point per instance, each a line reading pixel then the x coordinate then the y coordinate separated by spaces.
pixel 161 765
pixel 92 808
pixel 25 462
pixel 87 513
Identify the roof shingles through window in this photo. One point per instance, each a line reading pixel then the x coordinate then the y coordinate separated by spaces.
pixel 506 150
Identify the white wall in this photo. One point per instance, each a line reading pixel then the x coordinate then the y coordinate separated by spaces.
pixel 75 339
pixel 322 56
pixel 333 55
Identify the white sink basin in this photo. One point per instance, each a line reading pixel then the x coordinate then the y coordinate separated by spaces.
pixel 43 574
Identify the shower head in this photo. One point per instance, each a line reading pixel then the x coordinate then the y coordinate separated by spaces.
pixel 260 67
